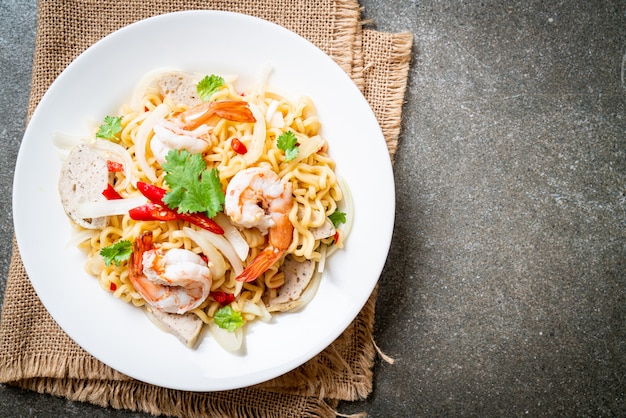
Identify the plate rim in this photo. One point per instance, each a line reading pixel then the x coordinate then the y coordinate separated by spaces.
pixel 17 217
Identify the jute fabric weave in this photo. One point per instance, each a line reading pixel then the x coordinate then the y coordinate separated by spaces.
pixel 36 354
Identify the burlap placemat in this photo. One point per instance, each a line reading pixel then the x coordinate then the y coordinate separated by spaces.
pixel 36 354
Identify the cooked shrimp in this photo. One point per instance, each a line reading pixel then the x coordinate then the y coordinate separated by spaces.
pixel 168 136
pixel 174 281
pixel 257 198
pixel 188 130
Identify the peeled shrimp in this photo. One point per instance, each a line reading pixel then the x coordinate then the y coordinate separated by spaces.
pixel 188 130
pixel 174 281
pixel 257 198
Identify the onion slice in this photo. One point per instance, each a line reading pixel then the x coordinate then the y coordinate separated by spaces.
pixel 224 247
pixel 141 139
pixel 232 234
pixel 217 264
pixel 258 309
pixel 109 207
pixel 66 142
pixel 229 341
pixel 255 147
pixel 80 236
pixel 347 206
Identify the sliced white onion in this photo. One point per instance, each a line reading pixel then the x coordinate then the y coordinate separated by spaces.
pixel 217 264
pixel 66 142
pixel 258 90
pixel 109 207
pixel 80 236
pixel 346 206
pixel 143 84
pixel 232 234
pixel 229 341
pixel 257 309
pixel 307 147
pixel 322 263
pixel 120 154
pixel 224 247
pixel 257 143
pixel 141 139
pixel 95 265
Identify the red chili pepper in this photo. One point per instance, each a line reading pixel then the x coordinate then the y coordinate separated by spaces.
pixel 238 146
pixel 222 298
pixel 110 193
pixel 152 212
pixel 152 192
pixel 112 287
pixel 202 221
pixel 156 194
pixel 114 166
pixel 336 237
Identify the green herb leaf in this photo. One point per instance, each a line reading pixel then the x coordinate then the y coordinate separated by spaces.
pixel 110 128
pixel 228 319
pixel 116 253
pixel 193 187
pixel 288 142
pixel 209 85
pixel 337 218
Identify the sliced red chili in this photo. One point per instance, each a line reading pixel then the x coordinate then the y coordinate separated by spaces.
pixel 114 166
pixel 222 298
pixel 152 212
pixel 112 287
pixel 238 146
pixel 110 193
pixel 336 237
pixel 152 192
pixel 202 221
pixel 156 194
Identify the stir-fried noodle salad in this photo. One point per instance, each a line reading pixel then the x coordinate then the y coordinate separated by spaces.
pixel 206 206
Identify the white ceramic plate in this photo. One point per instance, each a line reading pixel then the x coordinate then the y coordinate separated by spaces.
pixel 95 85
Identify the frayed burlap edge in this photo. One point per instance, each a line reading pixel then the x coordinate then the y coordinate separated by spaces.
pixel 391 70
pixel 157 401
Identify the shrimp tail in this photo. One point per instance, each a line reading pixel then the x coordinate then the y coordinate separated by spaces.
pixel 234 110
pixel 260 264
pixel 141 244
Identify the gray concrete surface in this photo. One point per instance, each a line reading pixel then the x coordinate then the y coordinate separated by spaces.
pixel 505 289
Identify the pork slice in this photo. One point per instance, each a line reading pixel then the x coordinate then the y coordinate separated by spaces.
pixel 179 87
pixel 84 176
pixel 186 327
pixel 297 277
pixel 327 229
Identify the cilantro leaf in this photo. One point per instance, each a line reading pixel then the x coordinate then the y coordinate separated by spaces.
pixel 193 187
pixel 337 218
pixel 116 253
pixel 288 142
pixel 110 128
pixel 228 319
pixel 209 85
